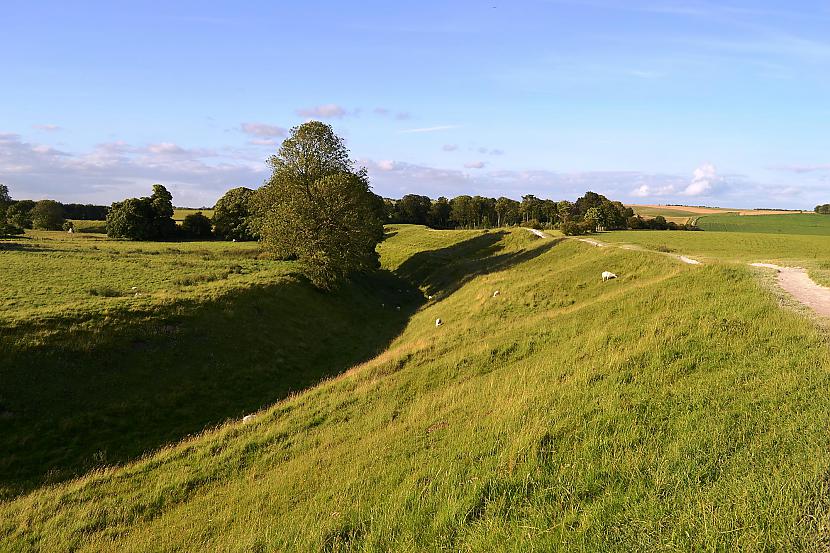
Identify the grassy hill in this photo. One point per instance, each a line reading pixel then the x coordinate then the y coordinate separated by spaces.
pixel 803 223
pixel 675 408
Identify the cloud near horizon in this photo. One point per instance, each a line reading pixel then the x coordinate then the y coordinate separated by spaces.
pixel 705 181
pixel 116 170
pixel 112 171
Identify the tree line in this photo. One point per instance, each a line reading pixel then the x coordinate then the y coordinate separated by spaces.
pixel 823 209
pixel 591 213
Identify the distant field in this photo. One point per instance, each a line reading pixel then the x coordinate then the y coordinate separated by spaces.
pixel 180 214
pixel 804 223
pixel 691 214
pixel 82 225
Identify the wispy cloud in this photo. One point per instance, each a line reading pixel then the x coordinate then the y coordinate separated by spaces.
pixel 263 130
pixel 474 165
pixel 449 147
pixel 385 112
pixel 47 128
pixel 802 168
pixel 324 111
pixel 430 129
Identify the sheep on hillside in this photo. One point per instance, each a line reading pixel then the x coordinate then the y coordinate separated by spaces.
pixel 607 275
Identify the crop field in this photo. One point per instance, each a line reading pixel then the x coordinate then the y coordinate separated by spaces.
pixel 805 223
pixel 676 408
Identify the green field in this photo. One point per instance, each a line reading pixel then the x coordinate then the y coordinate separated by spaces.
pixel 803 223
pixel 675 408
pixel 180 214
pixel 649 211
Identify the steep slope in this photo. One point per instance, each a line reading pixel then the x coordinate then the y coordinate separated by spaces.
pixel 676 407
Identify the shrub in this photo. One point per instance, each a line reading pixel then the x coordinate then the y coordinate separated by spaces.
pixel 197 226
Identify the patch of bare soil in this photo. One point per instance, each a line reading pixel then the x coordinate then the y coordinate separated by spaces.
pixel 796 282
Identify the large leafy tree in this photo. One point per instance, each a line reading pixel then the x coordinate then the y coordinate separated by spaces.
pixel 148 218
pixel 48 215
pixel 233 215
pixel 19 213
pixel 317 208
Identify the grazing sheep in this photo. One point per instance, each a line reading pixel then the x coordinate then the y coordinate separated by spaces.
pixel 496 293
pixel 429 297
pixel 607 275
pixel 247 418
pixel 438 322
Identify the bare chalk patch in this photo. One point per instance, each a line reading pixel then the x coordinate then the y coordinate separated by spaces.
pixel 796 282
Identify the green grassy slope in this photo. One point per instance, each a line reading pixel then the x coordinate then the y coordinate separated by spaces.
pixel 805 250
pixel 93 374
pixel 802 223
pixel 676 408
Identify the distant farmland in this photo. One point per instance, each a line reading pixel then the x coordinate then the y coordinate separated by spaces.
pixel 800 223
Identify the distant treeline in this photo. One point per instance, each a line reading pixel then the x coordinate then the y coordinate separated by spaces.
pixel 590 213
pixel 85 212
pixel 823 209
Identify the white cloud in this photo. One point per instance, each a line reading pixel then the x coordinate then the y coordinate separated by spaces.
pixel 704 179
pixel 47 128
pixel 386 165
pixel 116 170
pixel 449 147
pixel 324 111
pixel 263 130
pixel 474 165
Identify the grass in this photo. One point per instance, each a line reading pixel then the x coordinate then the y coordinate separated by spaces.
pixel 111 349
pixel 675 408
pixel 811 251
pixel 805 223
pixel 180 214
pixel 96 227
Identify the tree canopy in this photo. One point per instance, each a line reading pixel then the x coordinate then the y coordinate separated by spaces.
pixel 318 209
pixel 148 218
pixel 233 215
pixel 47 215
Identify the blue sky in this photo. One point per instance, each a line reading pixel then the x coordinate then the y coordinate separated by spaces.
pixel 691 102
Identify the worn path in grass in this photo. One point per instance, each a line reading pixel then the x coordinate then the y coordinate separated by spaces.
pixel 798 284
pixel 793 280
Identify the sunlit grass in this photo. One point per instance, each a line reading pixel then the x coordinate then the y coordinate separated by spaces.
pixel 675 408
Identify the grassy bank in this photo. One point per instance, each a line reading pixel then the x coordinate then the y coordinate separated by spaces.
pixel 677 407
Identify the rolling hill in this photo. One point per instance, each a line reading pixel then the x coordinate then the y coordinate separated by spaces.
pixel 677 407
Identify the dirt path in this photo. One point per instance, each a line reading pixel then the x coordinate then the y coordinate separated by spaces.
pixel 796 282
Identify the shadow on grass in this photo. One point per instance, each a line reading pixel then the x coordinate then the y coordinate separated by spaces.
pixel 106 389
pixel 111 386
pixel 445 270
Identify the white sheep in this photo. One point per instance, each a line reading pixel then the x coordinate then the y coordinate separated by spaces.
pixel 496 293
pixel 607 275
pixel 438 322
pixel 247 418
